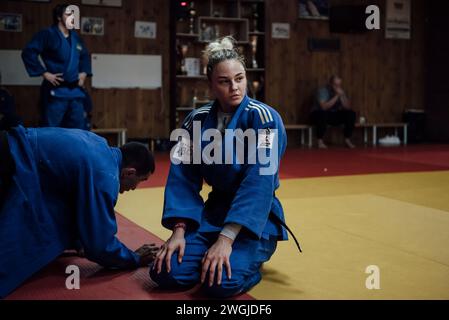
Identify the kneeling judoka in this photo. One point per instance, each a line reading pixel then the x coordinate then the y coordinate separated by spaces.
pixel 223 242
pixel 58 188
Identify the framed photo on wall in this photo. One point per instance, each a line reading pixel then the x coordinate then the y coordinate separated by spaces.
pixel 92 26
pixel 398 20
pixel 11 22
pixel 313 9
pixel 280 30
pixel 105 3
pixel 145 29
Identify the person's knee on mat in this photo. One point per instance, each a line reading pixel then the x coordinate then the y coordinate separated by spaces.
pixel 177 277
pixel 228 288
pixel 238 284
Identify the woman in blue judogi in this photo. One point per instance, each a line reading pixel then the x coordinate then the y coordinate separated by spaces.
pixel 223 242
pixel 66 66
pixel 58 189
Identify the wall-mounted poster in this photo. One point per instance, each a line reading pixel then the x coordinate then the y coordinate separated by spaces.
pixel 398 24
pixel 92 26
pixel 106 3
pixel 313 9
pixel 145 29
pixel 280 30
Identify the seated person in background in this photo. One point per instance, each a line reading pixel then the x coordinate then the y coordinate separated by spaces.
pixel 8 116
pixel 332 107
pixel 58 188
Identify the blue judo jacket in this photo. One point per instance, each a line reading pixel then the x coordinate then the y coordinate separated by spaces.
pixel 59 55
pixel 63 192
pixel 240 193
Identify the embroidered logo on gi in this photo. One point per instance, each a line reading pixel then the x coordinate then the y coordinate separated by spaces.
pixel 79 47
pixel 183 150
pixel 265 139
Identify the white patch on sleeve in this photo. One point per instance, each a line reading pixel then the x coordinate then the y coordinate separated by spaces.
pixel 265 139
pixel 183 150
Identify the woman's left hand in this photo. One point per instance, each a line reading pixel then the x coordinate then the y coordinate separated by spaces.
pixel 214 259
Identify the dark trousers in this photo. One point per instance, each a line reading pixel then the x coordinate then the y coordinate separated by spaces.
pixel 247 257
pixel 321 119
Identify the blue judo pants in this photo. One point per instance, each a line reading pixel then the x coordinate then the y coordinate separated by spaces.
pixel 247 257
pixel 66 113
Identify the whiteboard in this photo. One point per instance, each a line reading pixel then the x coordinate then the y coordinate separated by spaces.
pixel 126 71
pixel 13 70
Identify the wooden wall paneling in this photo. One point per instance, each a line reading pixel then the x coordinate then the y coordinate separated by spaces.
pixel 382 76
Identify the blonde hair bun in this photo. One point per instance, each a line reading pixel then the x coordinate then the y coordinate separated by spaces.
pixel 221 50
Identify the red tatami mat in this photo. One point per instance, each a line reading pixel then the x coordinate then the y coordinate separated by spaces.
pixel 301 163
pixel 97 283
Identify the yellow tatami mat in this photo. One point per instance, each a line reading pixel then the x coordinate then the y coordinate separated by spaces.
pixel 398 222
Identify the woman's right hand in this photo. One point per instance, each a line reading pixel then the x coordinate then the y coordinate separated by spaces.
pixel 175 242
pixel 54 79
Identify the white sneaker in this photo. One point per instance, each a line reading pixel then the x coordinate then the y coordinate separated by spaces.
pixel 321 144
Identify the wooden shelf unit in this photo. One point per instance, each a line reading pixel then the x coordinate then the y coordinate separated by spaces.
pixel 243 19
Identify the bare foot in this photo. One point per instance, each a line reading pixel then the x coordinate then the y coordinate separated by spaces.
pixel 321 144
pixel 349 144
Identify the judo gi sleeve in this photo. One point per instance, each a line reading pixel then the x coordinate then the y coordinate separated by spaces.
pixel 30 54
pixel 97 224
pixel 182 199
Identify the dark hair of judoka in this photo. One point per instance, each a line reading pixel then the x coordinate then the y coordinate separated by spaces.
pixel 58 12
pixel 136 155
pixel 221 50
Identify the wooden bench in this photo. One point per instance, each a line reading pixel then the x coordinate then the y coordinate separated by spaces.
pixel 366 127
pixel 374 130
pixel 302 128
pixel 119 132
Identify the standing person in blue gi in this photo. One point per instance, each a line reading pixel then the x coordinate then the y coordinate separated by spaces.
pixel 223 242
pixel 59 188
pixel 66 66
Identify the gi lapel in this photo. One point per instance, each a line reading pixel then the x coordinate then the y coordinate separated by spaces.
pixel 69 52
pixel 73 65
